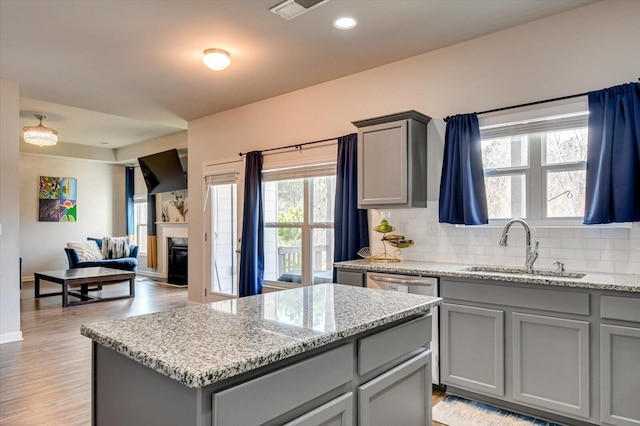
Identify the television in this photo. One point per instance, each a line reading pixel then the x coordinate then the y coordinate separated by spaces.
pixel 163 172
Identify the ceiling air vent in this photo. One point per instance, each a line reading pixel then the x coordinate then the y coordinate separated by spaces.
pixel 289 9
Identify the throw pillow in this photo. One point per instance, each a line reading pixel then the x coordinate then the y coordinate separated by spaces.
pixel 115 247
pixel 87 250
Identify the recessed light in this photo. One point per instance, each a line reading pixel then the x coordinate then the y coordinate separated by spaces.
pixel 345 23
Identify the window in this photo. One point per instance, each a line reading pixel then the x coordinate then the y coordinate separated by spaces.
pixel 298 240
pixel 536 169
pixel 140 223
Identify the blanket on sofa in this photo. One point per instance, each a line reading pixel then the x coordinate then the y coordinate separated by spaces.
pixel 115 247
pixel 87 250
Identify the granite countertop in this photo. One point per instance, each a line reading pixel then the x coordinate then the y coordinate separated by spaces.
pixel 204 344
pixel 599 281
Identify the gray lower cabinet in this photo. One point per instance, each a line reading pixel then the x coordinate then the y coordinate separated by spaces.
pixel 282 391
pixel 572 355
pixel 401 396
pixel 355 278
pixel 390 370
pixel 551 363
pixel 338 412
pixel 620 361
pixel 472 348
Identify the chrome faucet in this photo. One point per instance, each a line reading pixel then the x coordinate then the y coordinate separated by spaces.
pixel 531 255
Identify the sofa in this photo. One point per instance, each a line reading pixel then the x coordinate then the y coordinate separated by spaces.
pixel 129 263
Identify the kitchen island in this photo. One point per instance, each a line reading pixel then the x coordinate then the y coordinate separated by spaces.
pixel 326 354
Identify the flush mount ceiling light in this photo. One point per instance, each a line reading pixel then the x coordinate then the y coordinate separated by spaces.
pixel 216 59
pixel 345 23
pixel 291 8
pixel 40 135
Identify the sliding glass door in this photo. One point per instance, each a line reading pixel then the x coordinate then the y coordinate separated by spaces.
pixel 222 215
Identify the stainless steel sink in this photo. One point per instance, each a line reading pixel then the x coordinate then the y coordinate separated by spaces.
pixel 521 271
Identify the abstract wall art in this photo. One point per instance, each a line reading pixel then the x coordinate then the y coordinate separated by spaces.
pixel 57 199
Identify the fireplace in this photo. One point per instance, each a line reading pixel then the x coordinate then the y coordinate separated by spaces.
pixel 177 260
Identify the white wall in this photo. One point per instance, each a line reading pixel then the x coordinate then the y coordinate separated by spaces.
pixel 9 212
pixel 101 201
pixel 589 48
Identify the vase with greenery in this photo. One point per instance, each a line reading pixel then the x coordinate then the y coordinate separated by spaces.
pixel 180 204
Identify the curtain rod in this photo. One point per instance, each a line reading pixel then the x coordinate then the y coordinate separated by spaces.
pixel 527 104
pixel 524 105
pixel 298 146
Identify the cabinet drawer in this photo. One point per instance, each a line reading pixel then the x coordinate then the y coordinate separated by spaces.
pixel 401 396
pixel 381 348
pixel 276 393
pixel 620 308
pixel 533 298
pixel 337 412
pixel 350 278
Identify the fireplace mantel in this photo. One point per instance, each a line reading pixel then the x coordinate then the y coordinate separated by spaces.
pixel 167 230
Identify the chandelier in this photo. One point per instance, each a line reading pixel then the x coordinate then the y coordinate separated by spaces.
pixel 40 135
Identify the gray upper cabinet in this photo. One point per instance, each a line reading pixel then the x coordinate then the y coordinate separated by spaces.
pixel 392 161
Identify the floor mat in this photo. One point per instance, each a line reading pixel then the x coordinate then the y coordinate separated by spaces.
pixel 455 411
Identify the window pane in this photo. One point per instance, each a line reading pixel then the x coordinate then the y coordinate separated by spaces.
pixel 283 254
pixel 566 193
pixel 505 152
pixel 223 238
pixel 506 196
pixel 141 238
pixel 322 255
pixel 141 213
pixel 566 146
pixel 322 198
pixel 283 201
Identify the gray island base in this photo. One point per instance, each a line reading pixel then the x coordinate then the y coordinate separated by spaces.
pixel 322 355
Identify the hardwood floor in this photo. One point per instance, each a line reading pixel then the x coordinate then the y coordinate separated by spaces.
pixel 46 378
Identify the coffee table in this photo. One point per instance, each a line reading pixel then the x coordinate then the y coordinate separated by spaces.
pixel 84 277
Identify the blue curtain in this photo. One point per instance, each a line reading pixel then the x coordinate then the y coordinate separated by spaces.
pixel 129 206
pixel 252 248
pixel 462 195
pixel 351 227
pixel 613 155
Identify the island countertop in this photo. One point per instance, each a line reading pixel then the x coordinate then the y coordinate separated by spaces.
pixel 591 280
pixel 204 344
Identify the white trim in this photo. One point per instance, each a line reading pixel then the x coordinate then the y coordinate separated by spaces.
pixel 301 161
pixel 300 172
pixel 534 112
pixel 15 336
pixel 208 165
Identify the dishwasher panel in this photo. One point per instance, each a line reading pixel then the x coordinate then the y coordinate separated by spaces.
pixel 427 286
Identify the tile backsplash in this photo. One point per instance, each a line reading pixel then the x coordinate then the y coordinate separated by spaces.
pixel 585 249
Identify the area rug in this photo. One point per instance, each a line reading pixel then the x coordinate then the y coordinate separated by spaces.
pixel 455 411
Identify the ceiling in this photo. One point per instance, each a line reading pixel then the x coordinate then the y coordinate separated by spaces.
pixel 112 73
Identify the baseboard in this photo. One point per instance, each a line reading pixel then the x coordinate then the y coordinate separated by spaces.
pixel 27 278
pixel 16 336
pixel 151 274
